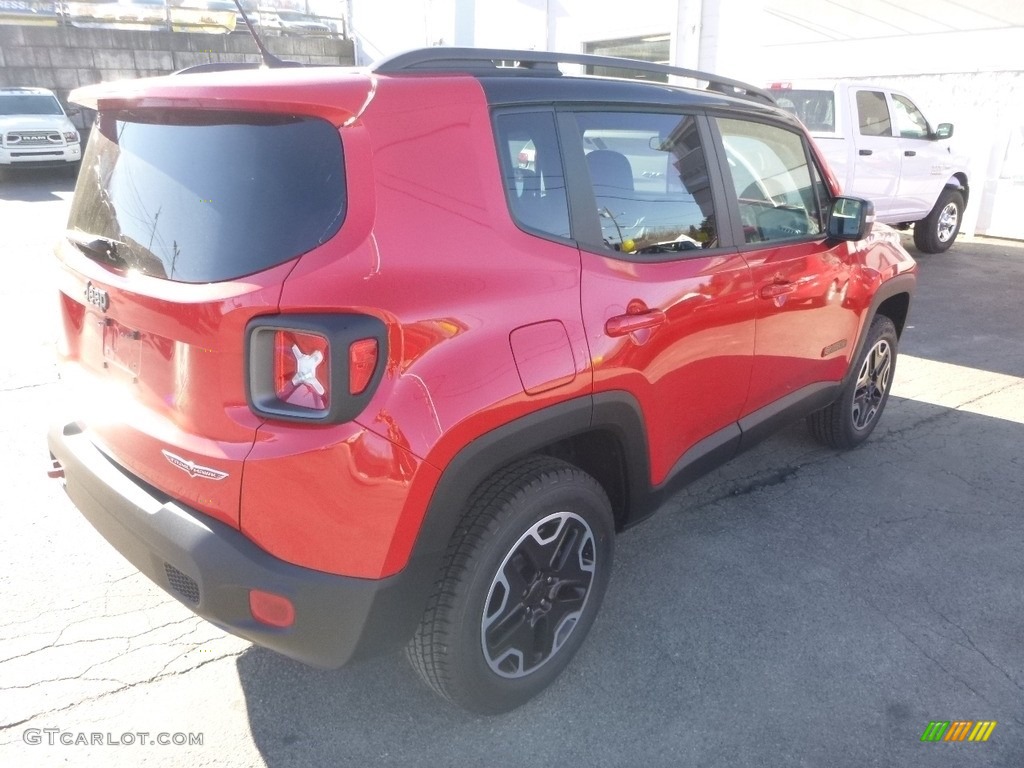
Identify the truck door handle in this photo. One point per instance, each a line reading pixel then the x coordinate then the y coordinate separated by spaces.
pixel 623 325
pixel 864 152
pixel 910 153
pixel 772 290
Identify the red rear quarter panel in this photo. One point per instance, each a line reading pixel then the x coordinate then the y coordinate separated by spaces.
pixel 432 251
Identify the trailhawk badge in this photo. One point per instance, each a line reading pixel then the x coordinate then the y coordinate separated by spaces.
pixel 193 469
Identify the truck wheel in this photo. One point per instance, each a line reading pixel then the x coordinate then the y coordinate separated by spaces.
pixel 937 231
pixel 848 421
pixel 523 579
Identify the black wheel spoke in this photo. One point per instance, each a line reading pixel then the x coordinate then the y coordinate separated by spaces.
pixel 512 632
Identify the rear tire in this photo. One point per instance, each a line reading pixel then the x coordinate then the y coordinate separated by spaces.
pixel 523 579
pixel 937 231
pixel 848 421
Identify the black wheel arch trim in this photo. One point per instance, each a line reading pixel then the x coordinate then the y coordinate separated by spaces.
pixel 894 286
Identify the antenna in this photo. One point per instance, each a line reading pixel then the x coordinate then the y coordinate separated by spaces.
pixel 269 60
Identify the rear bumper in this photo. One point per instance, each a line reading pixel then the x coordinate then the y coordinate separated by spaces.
pixel 210 567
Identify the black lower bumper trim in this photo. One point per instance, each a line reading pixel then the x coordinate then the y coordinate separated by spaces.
pixel 210 567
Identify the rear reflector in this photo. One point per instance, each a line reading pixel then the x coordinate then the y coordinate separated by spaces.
pixel 362 362
pixel 302 370
pixel 270 609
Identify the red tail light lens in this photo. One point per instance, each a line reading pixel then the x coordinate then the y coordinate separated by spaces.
pixel 314 368
pixel 302 370
pixel 362 362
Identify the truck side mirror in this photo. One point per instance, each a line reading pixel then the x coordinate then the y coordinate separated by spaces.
pixel 851 218
pixel 943 130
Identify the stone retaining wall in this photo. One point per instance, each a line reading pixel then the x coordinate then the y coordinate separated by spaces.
pixel 62 58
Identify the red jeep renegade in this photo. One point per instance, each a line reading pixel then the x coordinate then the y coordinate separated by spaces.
pixel 364 358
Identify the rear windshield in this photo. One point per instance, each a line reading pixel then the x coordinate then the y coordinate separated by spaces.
pixel 200 197
pixel 816 109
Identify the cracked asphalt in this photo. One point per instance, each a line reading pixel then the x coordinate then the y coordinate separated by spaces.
pixel 799 607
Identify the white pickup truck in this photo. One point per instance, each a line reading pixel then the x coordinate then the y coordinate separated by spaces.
pixel 882 148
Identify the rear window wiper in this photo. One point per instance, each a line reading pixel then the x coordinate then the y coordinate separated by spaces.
pixel 98 248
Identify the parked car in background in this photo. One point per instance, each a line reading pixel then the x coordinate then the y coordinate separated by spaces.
pixel 882 148
pixel 35 131
pixel 297 23
pixel 210 16
pixel 151 15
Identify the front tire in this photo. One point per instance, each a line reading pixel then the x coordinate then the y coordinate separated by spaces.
pixel 848 421
pixel 523 580
pixel 937 231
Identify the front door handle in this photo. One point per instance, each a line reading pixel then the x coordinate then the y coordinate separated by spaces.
pixel 633 321
pixel 864 152
pixel 910 153
pixel 773 290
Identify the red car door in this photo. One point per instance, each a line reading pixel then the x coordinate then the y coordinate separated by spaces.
pixel 668 310
pixel 806 328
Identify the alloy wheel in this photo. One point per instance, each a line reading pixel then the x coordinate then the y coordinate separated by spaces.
pixel 947 222
pixel 538 594
pixel 872 384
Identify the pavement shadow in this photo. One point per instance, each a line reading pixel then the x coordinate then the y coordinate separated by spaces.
pixel 963 311
pixel 797 595
pixel 32 185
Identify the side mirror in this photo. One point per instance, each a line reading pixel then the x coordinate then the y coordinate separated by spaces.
pixel 943 130
pixel 73 111
pixel 851 218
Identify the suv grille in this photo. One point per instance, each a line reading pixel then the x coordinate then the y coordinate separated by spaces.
pixel 182 584
pixel 34 138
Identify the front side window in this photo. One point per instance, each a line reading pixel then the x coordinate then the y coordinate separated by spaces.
pixel 650 181
pixel 910 123
pixel 780 195
pixel 873 114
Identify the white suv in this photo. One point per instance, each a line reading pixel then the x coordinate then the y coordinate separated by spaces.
pixel 882 148
pixel 35 131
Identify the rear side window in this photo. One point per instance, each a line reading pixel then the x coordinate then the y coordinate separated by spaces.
pixel 815 109
pixel 650 181
pixel 531 165
pixel 201 197
pixel 779 193
pixel 873 113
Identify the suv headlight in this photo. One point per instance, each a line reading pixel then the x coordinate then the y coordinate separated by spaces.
pixel 70 136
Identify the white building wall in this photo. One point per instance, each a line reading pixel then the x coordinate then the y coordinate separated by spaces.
pixel 971 77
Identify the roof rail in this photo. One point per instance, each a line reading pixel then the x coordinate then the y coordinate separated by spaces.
pixel 489 60
pixel 227 66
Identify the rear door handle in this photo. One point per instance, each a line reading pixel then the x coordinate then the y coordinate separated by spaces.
pixel 910 153
pixel 623 325
pixel 773 290
pixel 864 152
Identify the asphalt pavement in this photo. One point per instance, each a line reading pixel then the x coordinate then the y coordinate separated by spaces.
pixel 798 607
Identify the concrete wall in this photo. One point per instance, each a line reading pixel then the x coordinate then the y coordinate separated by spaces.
pixel 63 58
